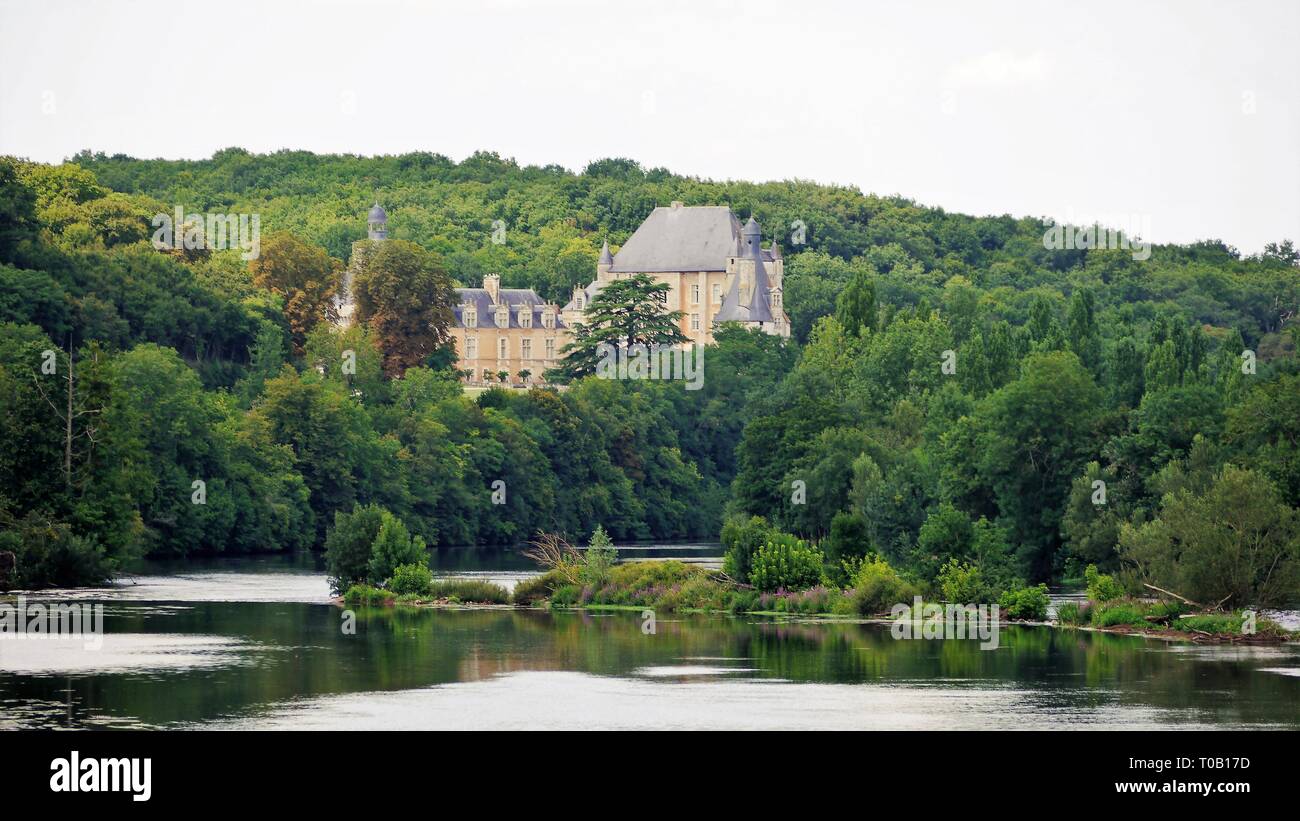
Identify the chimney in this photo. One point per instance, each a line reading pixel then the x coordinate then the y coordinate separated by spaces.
pixel 492 284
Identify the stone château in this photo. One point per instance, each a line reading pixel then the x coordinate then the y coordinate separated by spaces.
pixel 715 268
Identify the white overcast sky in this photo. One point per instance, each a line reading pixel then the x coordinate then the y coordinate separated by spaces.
pixel 1186 114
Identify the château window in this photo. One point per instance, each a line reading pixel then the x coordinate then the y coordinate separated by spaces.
pixel 717 293
pixel 526 348
pixel 776 300
pixel 503 348
pixel 471 347
pixel 526 318
pixel 550 348
pixel 503 317
pixel 695 322
pixel 471 318
pixel 695 294
pixel 548 319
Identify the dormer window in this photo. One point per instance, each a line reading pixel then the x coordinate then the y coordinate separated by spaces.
pixel 776 300
pixel 471 317
pixel 503 317
pixel 548 319
pixel 526 318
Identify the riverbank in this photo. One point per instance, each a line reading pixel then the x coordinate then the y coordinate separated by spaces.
pixel 674 587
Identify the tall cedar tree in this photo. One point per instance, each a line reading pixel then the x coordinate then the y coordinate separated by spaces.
pixel 626 312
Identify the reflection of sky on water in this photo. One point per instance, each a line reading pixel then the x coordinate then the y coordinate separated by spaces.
pixel 121 653
pixel 575 701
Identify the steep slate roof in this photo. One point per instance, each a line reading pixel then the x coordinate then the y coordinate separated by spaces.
pixel 685 238
pixel 482 302
pixel 697 238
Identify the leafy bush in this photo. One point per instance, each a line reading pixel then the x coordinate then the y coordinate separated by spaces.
pixel 599 558
pixel 348 545
pixel 786 563
pixel 1101 588
pixel 366 594
pixel 537 588
pixel 850 538
pixel 877 587
pixel 394 546
pixel 741 539
pixel 1071 612
pixel 1026 603
pixel 566 595
pixel 47 554
pixel 962 583
pixel 415 579
pixel 1166 608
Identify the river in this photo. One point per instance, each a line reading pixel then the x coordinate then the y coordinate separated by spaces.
pixel 256 643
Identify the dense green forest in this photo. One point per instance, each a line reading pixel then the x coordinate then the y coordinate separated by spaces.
pixel 953 391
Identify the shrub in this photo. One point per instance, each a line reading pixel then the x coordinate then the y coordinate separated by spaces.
pixel 566 595
pixel 877 587
pixel 1101 588
pixel 742 601
pixel 348 545
pixel 1026 603
pixel 537 588
pixel 850 538
pixel 1072 612
pixel 962 583
pixel 366 594
pixel 394 546
pixel 47 554
pixel 786 563
pixel 414 579
pixel 741 539
pixel 599 559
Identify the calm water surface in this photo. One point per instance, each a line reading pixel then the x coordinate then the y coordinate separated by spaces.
pixel 256 643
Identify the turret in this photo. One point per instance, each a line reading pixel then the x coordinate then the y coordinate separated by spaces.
pixel 378 222
pixel 753 237
pixel 605 263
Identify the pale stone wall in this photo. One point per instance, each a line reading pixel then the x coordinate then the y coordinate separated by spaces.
pixel 487 340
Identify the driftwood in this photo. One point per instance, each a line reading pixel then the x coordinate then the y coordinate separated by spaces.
pixel 1175 595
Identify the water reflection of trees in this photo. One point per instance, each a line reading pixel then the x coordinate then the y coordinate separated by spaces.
pixel 301 651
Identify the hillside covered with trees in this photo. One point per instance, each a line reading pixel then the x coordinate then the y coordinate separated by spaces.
pixel 954 392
